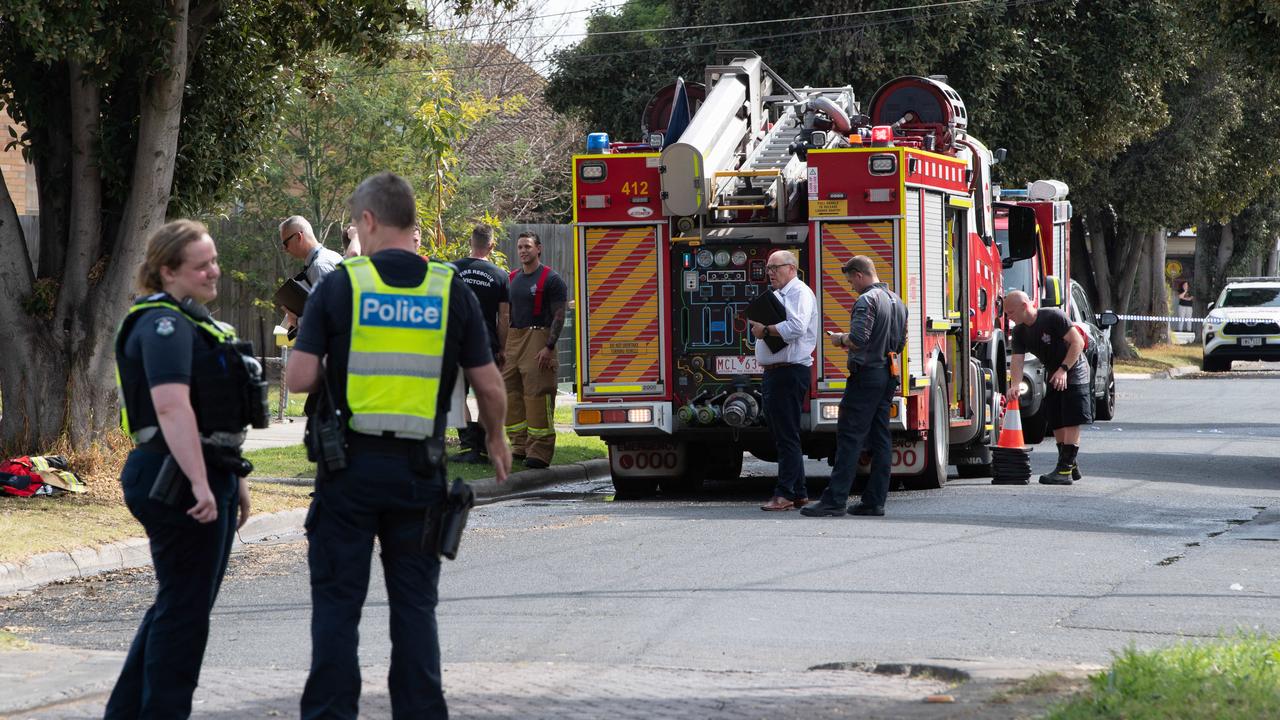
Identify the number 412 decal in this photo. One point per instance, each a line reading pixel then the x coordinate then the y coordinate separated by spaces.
pixel 635 187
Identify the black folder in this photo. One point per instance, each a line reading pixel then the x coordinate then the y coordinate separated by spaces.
pixel 292 295
pixel 768 310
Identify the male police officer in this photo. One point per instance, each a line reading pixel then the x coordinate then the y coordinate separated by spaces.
pixel 877 332
pixel 392 330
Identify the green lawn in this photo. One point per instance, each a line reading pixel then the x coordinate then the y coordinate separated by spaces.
pixel 1226 679
pixel 292 461
pixel 1160 357
pixel 293 409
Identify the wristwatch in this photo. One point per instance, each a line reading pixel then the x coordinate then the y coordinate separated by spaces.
pixel 1064 367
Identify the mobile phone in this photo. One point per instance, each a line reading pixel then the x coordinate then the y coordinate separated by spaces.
pixel 832 333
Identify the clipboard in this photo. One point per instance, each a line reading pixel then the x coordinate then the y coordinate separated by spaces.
pixel 767 309
pixel 292 295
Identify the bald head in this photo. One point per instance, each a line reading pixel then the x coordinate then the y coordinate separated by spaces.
pixel 297 237
pixel 1019 308
pixel 782 268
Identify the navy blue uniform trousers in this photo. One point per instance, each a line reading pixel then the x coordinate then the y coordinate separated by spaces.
pixel 863 424
pixel 162 668
pixel 376 496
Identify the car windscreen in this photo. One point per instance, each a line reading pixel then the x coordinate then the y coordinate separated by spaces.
pixel 1252 297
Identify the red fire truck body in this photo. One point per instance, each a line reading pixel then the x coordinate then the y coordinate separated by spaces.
pixel 672 238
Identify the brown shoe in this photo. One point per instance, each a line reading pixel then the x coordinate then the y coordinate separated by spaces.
pixel 800 502
pixel 778 503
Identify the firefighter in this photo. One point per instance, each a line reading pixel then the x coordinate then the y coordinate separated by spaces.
pixel 1050 336
pixel 538 298
pixel 489 283
pixel 877 333
pixel 183 385
pixel 391 329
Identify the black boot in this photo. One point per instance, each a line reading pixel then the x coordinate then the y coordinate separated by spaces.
pixel 472 440
pixel 1075 466
pixel 1061 474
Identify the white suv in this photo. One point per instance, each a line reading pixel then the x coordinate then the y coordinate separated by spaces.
pixel 1244 324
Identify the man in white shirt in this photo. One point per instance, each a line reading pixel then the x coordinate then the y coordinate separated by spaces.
pixel 788 375
pixel 299 240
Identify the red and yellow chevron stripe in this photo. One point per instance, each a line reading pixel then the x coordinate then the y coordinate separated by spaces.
pixel 622 305
pixel 840 242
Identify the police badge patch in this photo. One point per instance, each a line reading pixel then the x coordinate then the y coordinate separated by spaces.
pixel 164 326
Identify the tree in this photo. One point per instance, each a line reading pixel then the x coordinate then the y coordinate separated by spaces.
pixel 132 110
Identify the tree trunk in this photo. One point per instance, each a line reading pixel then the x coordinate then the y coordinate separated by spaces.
pixel 1141 305
pixel 58 376
pixel 1160 284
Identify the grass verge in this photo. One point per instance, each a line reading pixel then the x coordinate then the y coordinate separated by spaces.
pixel 291 461
pixel 1227 679
pixel 1160 357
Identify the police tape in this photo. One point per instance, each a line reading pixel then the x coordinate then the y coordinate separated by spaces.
pixel 1191 320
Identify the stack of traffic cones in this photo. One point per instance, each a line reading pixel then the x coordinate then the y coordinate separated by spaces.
pixel 1011 458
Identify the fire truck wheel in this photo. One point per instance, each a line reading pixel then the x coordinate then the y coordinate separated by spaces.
pixel 635 487
pixel 1105 407
pixel 719 463
pixel 937 446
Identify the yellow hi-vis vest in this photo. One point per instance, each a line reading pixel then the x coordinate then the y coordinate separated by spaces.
pixel 397 350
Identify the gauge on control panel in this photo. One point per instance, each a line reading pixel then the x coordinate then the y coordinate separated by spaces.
pixel 722 258
pixel 705 258
pixel 739 258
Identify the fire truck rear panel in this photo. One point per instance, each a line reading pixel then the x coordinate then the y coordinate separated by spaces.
pixel 621 327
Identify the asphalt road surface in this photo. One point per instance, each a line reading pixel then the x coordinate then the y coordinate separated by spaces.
pixel 1171 534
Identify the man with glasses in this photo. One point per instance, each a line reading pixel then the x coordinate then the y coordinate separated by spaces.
pixel 297 239
pixel 787 375
pixel 877 333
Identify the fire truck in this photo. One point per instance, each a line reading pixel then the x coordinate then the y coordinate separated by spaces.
pixel 672 237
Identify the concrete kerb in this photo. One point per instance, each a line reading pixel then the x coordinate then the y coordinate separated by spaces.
pixel 1161 375
pixel 82 562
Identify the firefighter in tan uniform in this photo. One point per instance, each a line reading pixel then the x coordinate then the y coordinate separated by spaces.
pixel 538 298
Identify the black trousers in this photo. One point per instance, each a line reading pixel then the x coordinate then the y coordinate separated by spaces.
pixel 785 390
pixel 863 425
pixel 162 667
pixel 376 496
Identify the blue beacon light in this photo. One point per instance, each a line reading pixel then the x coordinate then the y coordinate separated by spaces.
pixel 598 142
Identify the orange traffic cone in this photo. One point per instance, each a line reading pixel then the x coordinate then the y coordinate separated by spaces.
pixel 1011 428
pixel 1010 461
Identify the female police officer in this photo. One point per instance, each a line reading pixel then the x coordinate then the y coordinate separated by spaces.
pixel 186 392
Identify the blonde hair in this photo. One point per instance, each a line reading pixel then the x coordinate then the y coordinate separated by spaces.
pixel 165 248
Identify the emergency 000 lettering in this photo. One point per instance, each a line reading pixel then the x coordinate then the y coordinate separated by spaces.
pixel 385 310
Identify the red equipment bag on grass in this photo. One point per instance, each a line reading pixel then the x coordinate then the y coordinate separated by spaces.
pixel 30 475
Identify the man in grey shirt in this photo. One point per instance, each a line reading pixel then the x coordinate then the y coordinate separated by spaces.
pixel 298 239
pixel 877 333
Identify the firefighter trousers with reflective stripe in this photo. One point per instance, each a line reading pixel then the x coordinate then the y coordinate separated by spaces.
pixel 531 394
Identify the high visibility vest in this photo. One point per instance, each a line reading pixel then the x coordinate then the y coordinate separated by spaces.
pixel 215 396
pixel 397 350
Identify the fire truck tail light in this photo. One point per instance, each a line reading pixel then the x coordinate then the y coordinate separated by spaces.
pixel 591 171
pixel 640 415
pixel 588 417
pixel 881 134
pixel 595 202
pixel 882 164
pixel 879 194
pixel 831 412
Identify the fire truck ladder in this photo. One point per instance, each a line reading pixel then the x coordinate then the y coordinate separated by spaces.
pixel 771 160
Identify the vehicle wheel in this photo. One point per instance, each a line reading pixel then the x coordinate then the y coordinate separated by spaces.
pixel 1209 364
pixel 635 487
pixel 1034 428
pixel 1104 408
pixel 718 462
pixel 937 447
pixel 688 484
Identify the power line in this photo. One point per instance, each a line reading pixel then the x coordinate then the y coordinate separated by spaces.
pixel 510 21
pixel 758 38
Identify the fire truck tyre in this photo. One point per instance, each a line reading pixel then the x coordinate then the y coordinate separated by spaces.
pixel 937 447
pixel 1034 428
pixel 635 487
pixel 688 484
pixel 720 464
pixel 1209 364
pixel 1105 407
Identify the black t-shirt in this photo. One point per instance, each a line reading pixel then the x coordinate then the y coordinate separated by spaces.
pixel 489 283
pixel 1045 338
pixel 326 326
pixel 523 287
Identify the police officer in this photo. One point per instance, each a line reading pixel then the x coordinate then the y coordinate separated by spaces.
pixel 877 333
pixel 183 387
pixel 392 329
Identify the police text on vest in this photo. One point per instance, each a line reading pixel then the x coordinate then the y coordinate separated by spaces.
pixel 403 311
